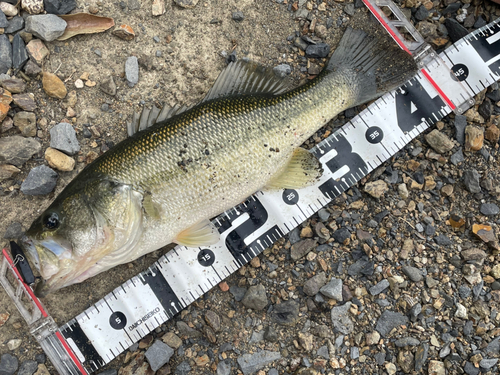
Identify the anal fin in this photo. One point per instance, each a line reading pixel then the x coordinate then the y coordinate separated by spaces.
pixel 203 233
pixel 302 170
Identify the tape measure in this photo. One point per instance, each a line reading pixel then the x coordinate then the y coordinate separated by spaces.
pixel 445 83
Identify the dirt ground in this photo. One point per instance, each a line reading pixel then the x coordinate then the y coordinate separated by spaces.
pixel 188 65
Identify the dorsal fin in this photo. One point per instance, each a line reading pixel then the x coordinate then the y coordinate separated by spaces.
pixel 149 116
pixel 244 78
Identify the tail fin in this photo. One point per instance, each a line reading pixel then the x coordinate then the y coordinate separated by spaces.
pixel 379 64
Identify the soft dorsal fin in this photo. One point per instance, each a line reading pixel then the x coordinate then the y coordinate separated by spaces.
pixel 247 77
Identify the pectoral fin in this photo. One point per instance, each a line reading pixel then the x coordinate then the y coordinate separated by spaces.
pixel 302 170
pixel 150 206
pixel 203 233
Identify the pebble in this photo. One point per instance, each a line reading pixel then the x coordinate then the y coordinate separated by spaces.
pixel 158 354
pixel 282 70
pixel 59 160
pixel 47 27
pixel 421 356
pixel 27 367
pixel 349 9
pixel 255 297
pixel 5 54
pixel 372 338
pixel 341 235
pixel 32 69
pixel 158 7
pixel 3 20
pixel 286 313
pixel 59 7
pixel 474 137
pixel 15 24
pixel 223 368
pixel 63 138
pixel 413 273
pixel 319 50
pixel 172 340
pixel 41 180
pixel 17 150
pixel 471 180
pixel 238 16
pixel 124 32
pixel 237 292
pixel 301 248
pixel 407 341
pixel 37 50
pixel 489 209
pixel 313 285
pixel 461 311
pixel 108 86
pixel 213 320
pixel 455 30
pixel 376 188
pixel 8 9
pixel 250 363
pixel 14 85
pixel 488 363
pixel 53 86
pixel 8 364
pixel 19 53
pixel 7 171
pixel 13 232
pixel 341 320
pixel 25 101
pixel 26 122
pixel 186 3
pixel 460 125
pixel 132 71
pixel 14 344
pixel 457 157
pixel 422 13
pixel 439 141
pixel 333 289
pixel 390 320
pixel 379 287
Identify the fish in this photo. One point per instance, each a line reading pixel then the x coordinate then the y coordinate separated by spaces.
pixel 182 166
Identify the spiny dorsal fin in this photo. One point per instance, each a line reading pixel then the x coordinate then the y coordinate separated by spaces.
pixel 149 116
pixel 245 78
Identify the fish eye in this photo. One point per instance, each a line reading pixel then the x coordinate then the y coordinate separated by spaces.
pixel 51 221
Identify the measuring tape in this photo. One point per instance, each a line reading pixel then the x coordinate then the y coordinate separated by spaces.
pixel 445 83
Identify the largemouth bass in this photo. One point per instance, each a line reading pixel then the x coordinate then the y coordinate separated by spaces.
pixel 164 183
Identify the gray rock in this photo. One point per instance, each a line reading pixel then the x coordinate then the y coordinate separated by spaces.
pixel 132 71
pixel 301 248
pixel 186 330
pixel 5 54
pixel 41 180
pixel 421 356
pixel 40 358
pixel 59 6
pixel 32 69
pixel 27 367
pixel 47 27
pixel 349 9
pixel 17 150
pixel 413 273
pixel 457 157
pixel 63 138
pixel 270 334
pixel 256 337
pixel 422 13
pixel 238 16
pixel 14 231
pixel 455 30
pixel 323 214
pixel 342 234
pixel 282 70
pixel 158 354
pixel 380 358
pixel 183 368
pixel 238 292
pixel 108 86
pixel 470 369
pixel 286 313
pixel 407 341
pixel 3 20
pixel 8 364
pixel 255 297
pixel 390 320
pixel 224 368
pixel 379 287
pixel 319 50
pixel 134 4
pixel 442 240
pixel 460 125
pixel 273 371
pixel 489 209
pixel 312 286
pixel 15 24
pixel 494 346
pixel 488 363
pixel 250 363
pixel 485 109
pixel 471 180
pixel 213 320
pixel 340 319
pixel 333 289
pixel 19 54
pixel 480 22
pixel 354 352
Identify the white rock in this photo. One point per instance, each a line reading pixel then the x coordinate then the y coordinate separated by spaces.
pixel 461 311
pixel 14 344
pixel 79 84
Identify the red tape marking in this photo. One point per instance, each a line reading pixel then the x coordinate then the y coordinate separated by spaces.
pixel 71 353
pixel 438 89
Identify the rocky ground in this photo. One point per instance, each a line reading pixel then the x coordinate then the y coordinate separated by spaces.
pixel 399 275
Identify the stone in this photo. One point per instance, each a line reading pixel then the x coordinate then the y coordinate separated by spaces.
pixel 495 271
pixel 488 363
pixel 436 368
pixel 224 368
pixel 390 320
pixel 341 235
pixel 15 24
pixel 27 367
pixel 251 363
pixel 132 71
pixel 439 141
pixel 14 344
pixel 3 20
pixel 108 86
pixel 63 138
pixel 53 86
pixel 124 32
pixel 255 297
pixel 379 287
pixel 474 137
pixel 376 188
pixel 286 313
pixel 333 289
pixel 407 341
pixel 372 338
pixel 421 356
pixel 422 13
pixel 186 3
pixel 26 122
pixel 341 320
pixel 238 16
pixel 413 273
pixel 282 70
pixel 17 150
pixel 461 311
pixel 301 248
pixel 158 7
pixel 7 171
pixel 237 292
pixel 5 54
pixel 59 160
pixel 312 286
pixel 41 180
pixel 455 30
pixel 460 125
pixel 457 157
pixel 59 6
pixel 25 101
pixel 172 340
pixel 8 364
pixel 319 50
pixel 489 209
pixel 158 354
pixel 37 50
pixel 32 69
pixel 47 27
pixel 19 53
pixel 492 134
pixel 213 320
pixel 32 6
pixel 471 180
pixel 14 85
